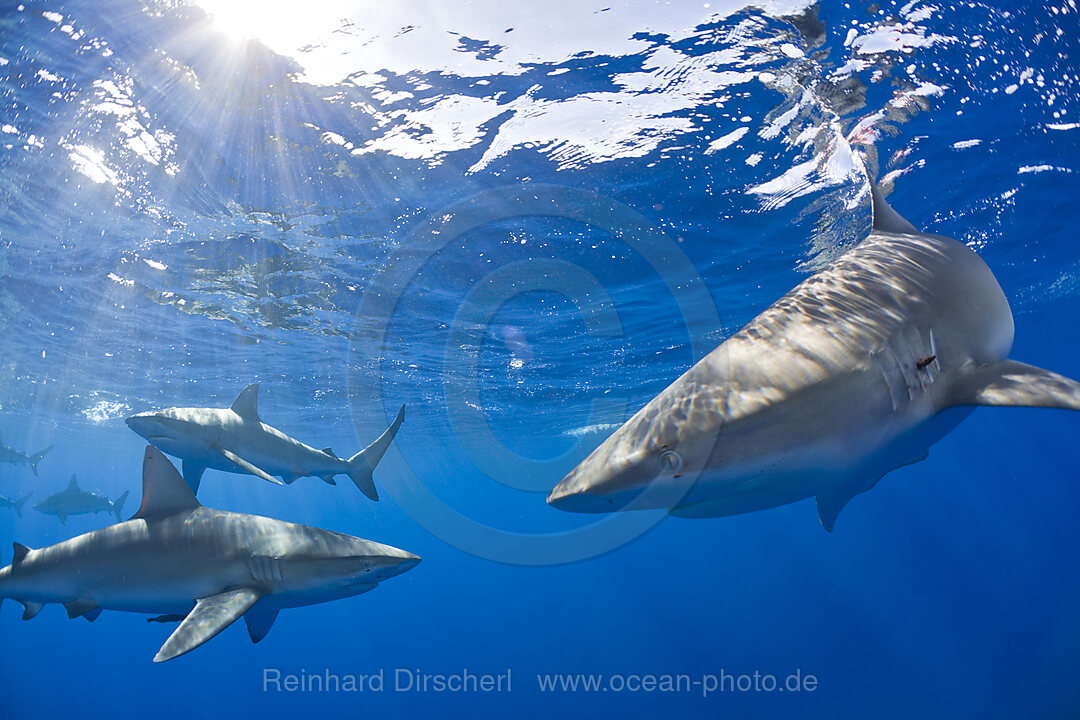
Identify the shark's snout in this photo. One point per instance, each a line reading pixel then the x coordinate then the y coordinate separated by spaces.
pixel 149 425
pixel 601 484
pixel 399 563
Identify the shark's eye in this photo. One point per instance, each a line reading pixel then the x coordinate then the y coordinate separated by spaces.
pixel 670 461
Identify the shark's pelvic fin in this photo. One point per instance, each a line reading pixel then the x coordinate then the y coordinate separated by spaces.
pixel 1017 384
pixel 80 607
pixel 363 463
pixel 246 404
pixel 885 218
pixel 92 615
pixel 829 504
pixel 260 618
pixel 21 552
pixel 246 466
pixel 164 491
pixel 193 475
pixel 210 616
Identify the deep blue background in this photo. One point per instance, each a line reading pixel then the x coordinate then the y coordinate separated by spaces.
pixel 949 590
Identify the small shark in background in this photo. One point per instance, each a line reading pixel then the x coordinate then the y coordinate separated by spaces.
pixel 178 558
pixel 16 457
pixel 16 505
pixel 73 500
pixel 854 373
pixel 236 440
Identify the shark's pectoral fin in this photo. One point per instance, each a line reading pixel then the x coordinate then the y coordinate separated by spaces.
pixel 260 619
pixel 246 466
pixel 193 473
pixel 30 609
pixel 210 616
pixel 1014 383
pixel 80 607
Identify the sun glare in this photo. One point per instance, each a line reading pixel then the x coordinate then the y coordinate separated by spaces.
pixel 285 26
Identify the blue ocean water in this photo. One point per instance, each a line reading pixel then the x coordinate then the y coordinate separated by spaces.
pixel 522 222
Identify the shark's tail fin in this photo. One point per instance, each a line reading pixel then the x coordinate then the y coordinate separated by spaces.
pixel 20 502
pixel 36 458
pixel 363 463
pixel 118 506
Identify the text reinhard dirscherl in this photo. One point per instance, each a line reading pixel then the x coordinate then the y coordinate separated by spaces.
pixel 414 680
pixel 397 680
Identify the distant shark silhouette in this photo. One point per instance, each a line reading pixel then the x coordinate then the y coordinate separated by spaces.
pixel 16 505
pixel 178 558
pixel 855 372
pixel 73 500
pixel 236 440
pixel 16 457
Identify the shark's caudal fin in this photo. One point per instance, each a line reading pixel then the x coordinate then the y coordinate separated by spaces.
pixel 363 463
pixel 20 502
pixel 1017 384
pixel 118 505
pixel 36 458
pixel 164 491
pixel 885 218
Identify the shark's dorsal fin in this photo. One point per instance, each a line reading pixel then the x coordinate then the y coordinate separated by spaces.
pixel 20 553
pixel 246 404
pixel 1012 383
pixel 73 484
pixel 164 491
pixel 885 218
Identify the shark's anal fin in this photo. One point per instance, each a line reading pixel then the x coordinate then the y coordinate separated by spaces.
pixel 193 473
pixel 246 466
pixel 30 609
pixel 164 491
pixel 260 619
pixel 1017 384
pixel 246 404
pixel 210 616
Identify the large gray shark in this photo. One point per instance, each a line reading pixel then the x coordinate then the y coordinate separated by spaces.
pixel 17 457
pixel 176 557
pixel 73 500
pixel 16 505
pixel 852 374
pixel 235 440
